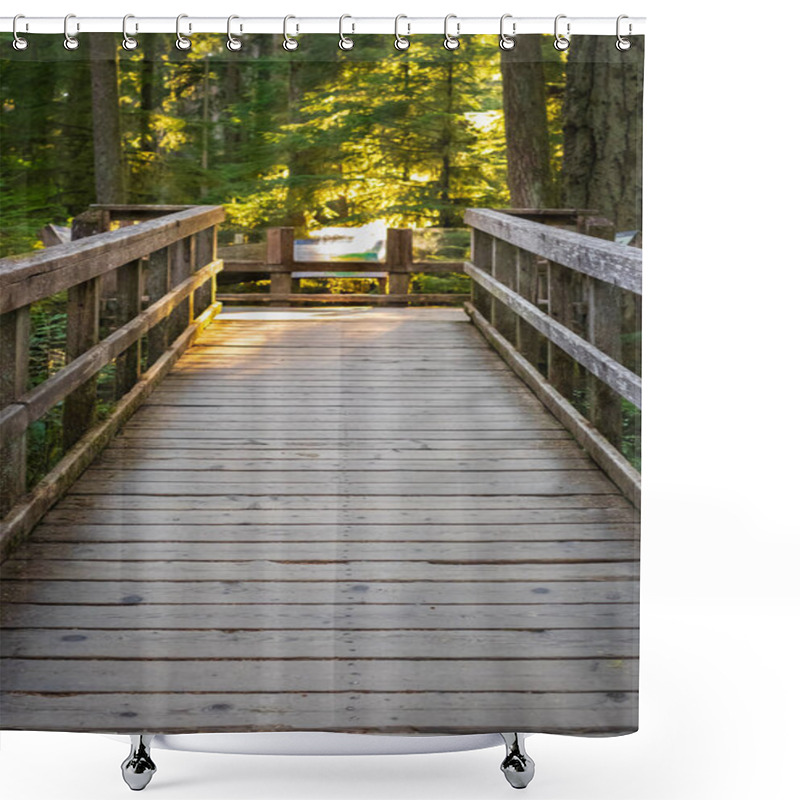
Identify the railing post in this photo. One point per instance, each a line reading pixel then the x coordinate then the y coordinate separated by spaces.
pixel 14 339
pixel 83 332
pixel 181 258
pixel 399 258
pixel 560 367
pixel 157 285
pixel 482 251
pixel 129 305
pixel 505 271
pixel 280 250
pixel 604 330
pixel 205 252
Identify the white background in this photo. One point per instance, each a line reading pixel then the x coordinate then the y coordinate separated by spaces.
pixel 719 706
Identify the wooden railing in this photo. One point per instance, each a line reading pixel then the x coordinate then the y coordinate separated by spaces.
pixel 161 274
pixel 274 260
pixel 558 305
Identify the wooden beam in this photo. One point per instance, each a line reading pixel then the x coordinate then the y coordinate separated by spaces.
pixel 607 457
pixel 22 518
pixel 624 382
pixel 258 268
pixel 280 250
pixel 614 263
pixel 399 257
pixel 365 299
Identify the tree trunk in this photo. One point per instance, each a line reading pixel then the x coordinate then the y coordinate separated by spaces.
pixel 447 217
pixel 530 180
pixel 603 129
pixel 108 167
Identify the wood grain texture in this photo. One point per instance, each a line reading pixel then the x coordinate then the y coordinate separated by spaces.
pixel 359 523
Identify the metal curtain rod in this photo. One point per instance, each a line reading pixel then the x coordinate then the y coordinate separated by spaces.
pixel 355 25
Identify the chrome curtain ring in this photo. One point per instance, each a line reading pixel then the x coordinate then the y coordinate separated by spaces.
pixel 70 42
pixel 345 42
pixel 19 43
pixel 288 42
pixel 233 44
pixel 562 42
pixel 400 42
pixel 623 43
pixel 128 42
pixel 507 41
pixel 181 42
pixel 451 42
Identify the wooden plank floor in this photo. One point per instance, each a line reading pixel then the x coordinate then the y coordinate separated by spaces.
pixel 351 521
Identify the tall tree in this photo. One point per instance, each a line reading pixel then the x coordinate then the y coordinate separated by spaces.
pixel 530 177
pixel 603 128
pixel 109 171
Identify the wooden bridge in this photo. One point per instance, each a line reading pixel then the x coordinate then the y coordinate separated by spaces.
pixel 346 519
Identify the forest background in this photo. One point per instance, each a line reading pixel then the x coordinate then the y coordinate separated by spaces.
pixel 319 137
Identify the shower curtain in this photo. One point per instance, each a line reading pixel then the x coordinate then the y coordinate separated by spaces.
pixel 320 380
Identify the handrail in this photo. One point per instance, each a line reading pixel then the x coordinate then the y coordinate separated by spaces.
pixel 625 382
pixel 275 261
pixel 27 279
pixel 161 276
pixel 607 261
pixel 557 305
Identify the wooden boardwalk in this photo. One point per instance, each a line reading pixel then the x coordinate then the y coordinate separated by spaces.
pixel 354 521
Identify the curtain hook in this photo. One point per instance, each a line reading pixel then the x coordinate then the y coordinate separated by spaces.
pixel 345 42
pixel 623 43
pixel 70 42
pixel 507 42
pixel 451 42
pixel 562 42
pixel 400 42
pixel 288 42
pixel 181 42
pixel 19 43
pixel 128 42
pixel 233 44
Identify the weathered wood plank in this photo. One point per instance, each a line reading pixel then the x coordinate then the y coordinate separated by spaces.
pixel 285 552
pixel 339 618
pixel 207 461
pixel 582 713
pixel 614 263
pixel 343 674
pixel 313 570
pixel 497 534
pixel 333 592
pixel 253 484
pixel 88 643
pixel 89 511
